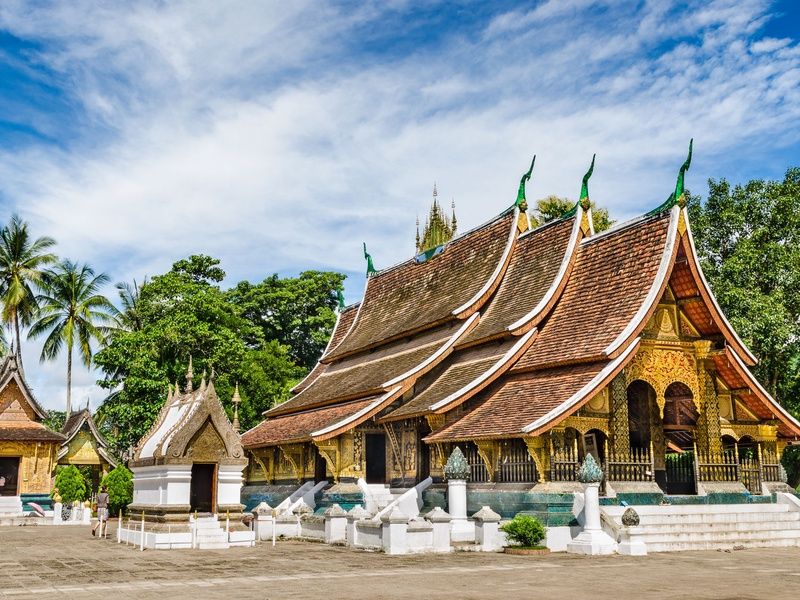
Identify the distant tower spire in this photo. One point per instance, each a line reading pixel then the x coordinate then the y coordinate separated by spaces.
pixel 453 220
pixel 189 376
pixel 439 227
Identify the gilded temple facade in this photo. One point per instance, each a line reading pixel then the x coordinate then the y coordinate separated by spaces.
pixel 28 448
pixel 530 348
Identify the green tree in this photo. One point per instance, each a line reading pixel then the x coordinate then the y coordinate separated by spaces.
pixel 72 312
pixel 55 419
pixel 297 312
pixel 184 313
pixel 129 316
pixel 553 207
pixel 22 260
pixel 748 239
pixel 119 484
pixel 70 484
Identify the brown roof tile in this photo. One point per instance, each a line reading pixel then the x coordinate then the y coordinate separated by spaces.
pixel 29 434
pixel 534 265
pixel 412 295
pixel 611 278
pixel 467 366
pixel 299 426
pixel 366 372
pixel 505 409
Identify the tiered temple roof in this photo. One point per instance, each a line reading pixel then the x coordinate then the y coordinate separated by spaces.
pixel 21 415
pixel 83 421
pixel 515 328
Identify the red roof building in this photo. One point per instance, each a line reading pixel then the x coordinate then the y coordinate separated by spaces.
pixel 530 348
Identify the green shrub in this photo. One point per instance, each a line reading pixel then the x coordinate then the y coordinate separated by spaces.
pixel 119 484
pixel 525 531
pixel 70 484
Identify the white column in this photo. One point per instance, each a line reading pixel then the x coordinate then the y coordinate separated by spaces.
pixel 592 540
pixel 461 530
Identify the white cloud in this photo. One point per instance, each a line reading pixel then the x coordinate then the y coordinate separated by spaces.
pixel 252 132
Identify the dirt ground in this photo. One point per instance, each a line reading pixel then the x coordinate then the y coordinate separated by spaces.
pixel 66 562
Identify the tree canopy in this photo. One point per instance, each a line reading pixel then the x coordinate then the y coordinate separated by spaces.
pixel 748 238
pixel 260 336
pixel 554 207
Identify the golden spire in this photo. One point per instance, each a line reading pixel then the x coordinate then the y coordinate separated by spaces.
pixel 236 400
pixel 439 227
pixel 189 376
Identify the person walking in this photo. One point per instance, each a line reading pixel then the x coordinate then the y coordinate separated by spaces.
pixel 102 512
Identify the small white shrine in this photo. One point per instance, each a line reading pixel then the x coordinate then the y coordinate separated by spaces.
pixel 187 476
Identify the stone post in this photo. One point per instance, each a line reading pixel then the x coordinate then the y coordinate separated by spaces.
pixel 441 529
pixel 58 517
pixel 631 542
pixel 592 540
pixel 456 471
pixel 86 513
pixel 394 532
pixel 487 530
pixel 263 521
pixel 356 514
pixel 335 524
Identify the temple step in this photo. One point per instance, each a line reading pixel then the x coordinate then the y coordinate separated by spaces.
pixel 210 535
pixel 10 505
pixel 713 526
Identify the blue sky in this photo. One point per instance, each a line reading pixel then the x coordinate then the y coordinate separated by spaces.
pixel 278 136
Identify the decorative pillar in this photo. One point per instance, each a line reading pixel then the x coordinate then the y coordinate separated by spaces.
pixel 441 529
pixel 356 514
pixel 335 524
pixel 711 432
pixel 657 436
pixel 487 530
pixel 394 532
pixel 264 521
pixel 620 428
pixel 592 540
pixel 456 471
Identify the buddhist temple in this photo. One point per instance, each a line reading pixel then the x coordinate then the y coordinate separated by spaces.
pixel 530 348
pixel 28 448
pixel 189 467
pixel 85 446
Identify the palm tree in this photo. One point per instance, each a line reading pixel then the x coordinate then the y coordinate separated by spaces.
pixel 130 318
pixel 22 260
pixel 72 311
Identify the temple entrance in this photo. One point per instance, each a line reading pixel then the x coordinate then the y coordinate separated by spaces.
pixel 423 456
pixel 9 475
pixel 320 468
pixel 203 491
pixel 680 418
pixel 375 446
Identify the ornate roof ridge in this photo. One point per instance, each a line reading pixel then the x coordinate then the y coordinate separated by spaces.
pixel 624 225
pixel 10 369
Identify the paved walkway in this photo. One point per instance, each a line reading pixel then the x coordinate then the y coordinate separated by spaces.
pixel 66 562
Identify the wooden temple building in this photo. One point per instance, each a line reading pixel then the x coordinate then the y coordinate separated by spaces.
pixel 530 347
pixel 28 448
pixel 85 445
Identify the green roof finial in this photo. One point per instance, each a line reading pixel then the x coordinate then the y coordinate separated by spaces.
pixel 340 298
pixel 679 195
pixel 584 199
pixel 370 265
pixel 522 201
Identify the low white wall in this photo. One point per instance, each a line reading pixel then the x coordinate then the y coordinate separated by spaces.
pixel 312 527
pixel 165 484
pixel 368 534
